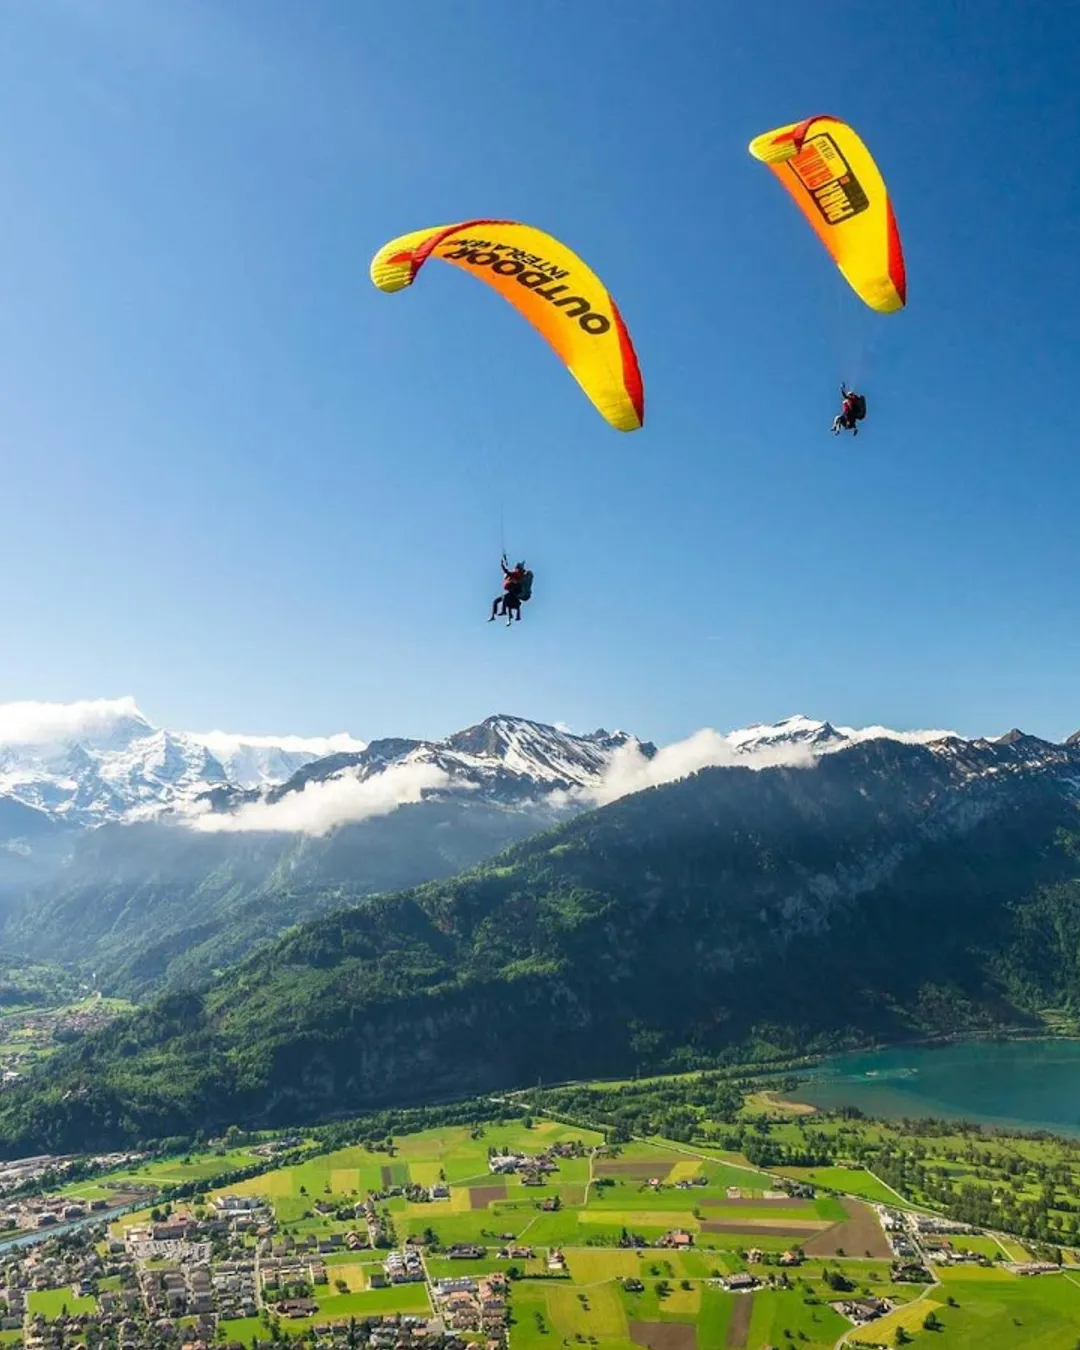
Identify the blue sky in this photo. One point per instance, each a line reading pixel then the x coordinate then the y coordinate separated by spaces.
pixel 241 484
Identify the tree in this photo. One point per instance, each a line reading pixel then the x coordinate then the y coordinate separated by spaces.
pixel 930 1322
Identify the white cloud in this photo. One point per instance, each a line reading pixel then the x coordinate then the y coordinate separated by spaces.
pixel 320 807
pixel 226 743
pixel 54 723
pixel 631 771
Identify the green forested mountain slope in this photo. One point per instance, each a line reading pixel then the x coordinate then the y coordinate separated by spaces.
pixel 890 890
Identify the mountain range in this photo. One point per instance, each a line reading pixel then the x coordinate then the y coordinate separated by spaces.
pixel 799 888
pixel 152 858
pixel 149 856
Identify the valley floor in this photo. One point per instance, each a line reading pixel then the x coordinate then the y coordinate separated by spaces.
pixel 536 1236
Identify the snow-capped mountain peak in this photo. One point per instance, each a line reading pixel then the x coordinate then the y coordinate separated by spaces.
pixel 822 737
pixel 544 754
pixel 797 730
pixel 101 760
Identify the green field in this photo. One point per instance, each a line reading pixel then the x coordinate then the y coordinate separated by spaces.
pixel 52 1302
pixel 334 1307
pixel 163 1172
pixel 995 1311
pixel 983 1245
pixel 848 1180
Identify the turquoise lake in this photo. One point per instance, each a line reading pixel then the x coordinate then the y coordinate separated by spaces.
pixel 1020 1084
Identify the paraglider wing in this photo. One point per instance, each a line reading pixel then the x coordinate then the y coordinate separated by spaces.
pixel 833 178
pixel 547 283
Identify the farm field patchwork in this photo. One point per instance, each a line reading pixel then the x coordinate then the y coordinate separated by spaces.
pixel 711 1211
pixel 609 1296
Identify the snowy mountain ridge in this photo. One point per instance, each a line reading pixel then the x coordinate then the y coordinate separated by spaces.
pixel 85 764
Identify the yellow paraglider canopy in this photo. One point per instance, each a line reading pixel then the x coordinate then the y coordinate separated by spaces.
pixel 551 286
pixel 833 178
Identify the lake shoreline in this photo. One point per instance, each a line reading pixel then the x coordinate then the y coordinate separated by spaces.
pixel 1017 1084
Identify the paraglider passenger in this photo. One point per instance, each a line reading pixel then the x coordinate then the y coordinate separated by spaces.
pixel 509 603
pixel 852 411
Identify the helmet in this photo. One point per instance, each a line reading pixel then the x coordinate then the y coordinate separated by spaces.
pixel 520 566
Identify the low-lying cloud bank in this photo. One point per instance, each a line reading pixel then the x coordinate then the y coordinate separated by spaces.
pixel 631 771
pixel 319 808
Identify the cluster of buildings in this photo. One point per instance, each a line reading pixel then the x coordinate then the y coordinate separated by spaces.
pixel 280 1272
pixel 905 1232
pixel 20 1172
pixel 862 1310
pixel 473 1305
pixel 516 1251
pixel 199 1288
pixel 172 1282
pixel 404 1267
pixel 415 1194
pixel 393 1332
pixel 941 1252
pixel 902 1238
pixel 46 1211
pixel 756 1257
pixel 77 1270
pixel 378 1233
pixel 27 1035
pixel 533 1169
pixel 182 1271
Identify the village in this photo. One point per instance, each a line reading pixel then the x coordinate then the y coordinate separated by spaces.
pixel 27 1036
pixel 442 1242
pixel 175 1280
